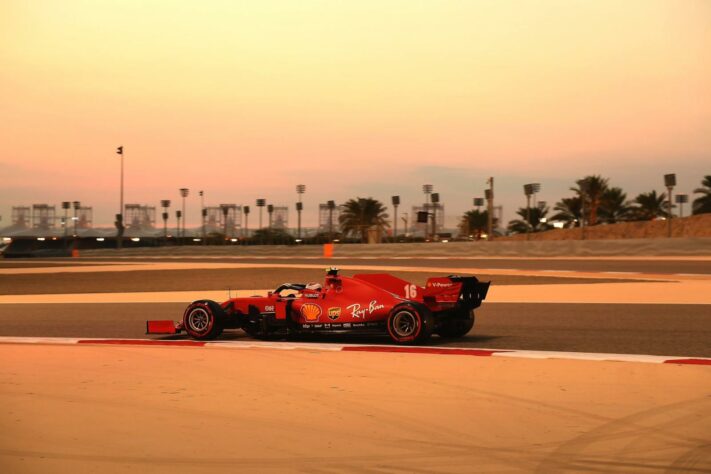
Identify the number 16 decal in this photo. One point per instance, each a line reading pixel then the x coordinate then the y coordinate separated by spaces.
pixel 410 292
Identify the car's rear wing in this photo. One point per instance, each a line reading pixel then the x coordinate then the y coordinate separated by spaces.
pixel 466 292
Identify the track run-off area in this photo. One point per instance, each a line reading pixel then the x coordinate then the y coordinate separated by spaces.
pixel 573 365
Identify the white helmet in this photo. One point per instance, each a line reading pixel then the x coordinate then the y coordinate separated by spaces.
pixel 314 286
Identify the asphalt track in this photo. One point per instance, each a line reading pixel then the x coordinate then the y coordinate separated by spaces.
pixel 673 330
pixel 659 329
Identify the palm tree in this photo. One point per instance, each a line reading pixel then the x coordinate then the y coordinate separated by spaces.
pixel 474 221
pixel 359 215
pixel 702 204
pixel 591 189
pixel 569 210
pixel 614 206
pixel 649 205
pixel 520 226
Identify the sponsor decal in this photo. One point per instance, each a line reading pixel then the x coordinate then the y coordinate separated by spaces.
pixel 269 309
pixel 334 313
pixel 311 311
pixel 357 311
pixel 311 295
pixel 437 284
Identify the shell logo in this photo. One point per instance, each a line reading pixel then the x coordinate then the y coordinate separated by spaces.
pixel 311 311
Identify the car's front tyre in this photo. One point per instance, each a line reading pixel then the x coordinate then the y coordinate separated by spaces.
pixel 202 320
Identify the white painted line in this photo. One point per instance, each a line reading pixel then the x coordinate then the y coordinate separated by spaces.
pixel 428 350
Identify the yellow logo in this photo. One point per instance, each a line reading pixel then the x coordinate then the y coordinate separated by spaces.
pixel 311 311
pixel 334 313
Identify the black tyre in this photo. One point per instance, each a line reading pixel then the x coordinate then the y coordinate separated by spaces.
pixel 203 320
pixel 458 327
pixel 410 324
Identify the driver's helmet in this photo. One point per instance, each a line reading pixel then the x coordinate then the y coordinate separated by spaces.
pixel 313 286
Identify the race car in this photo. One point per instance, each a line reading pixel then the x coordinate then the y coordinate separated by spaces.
pixel 366 304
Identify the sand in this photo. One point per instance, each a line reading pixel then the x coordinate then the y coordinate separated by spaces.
pixel 173 410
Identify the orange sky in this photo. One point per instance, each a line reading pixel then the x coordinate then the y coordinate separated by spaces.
pixel 247 99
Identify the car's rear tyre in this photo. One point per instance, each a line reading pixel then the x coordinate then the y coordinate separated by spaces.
pixel 458 327
pixel 410 324
pixel 203 320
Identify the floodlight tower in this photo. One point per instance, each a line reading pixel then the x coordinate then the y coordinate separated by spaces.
pixel 261 202
pixel 245 231
pixel 331 206
pixel 225 211
pixel 184 192
pixel 65 205
pixel 178 215
pixel 427 189
pixel 76 205
pixel 396 203
pixel 529 190
pixel 300 189
pixel 165 204
pixel 203 213
pixel 435 201
pixel 669 182
pixel 489 195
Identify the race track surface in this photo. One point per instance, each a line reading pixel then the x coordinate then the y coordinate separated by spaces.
pixel 660 329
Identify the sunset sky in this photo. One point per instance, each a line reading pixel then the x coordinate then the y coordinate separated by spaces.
pixel 359 98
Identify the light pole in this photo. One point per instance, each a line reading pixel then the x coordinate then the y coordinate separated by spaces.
pixel 245 209
pixel 65 205
pixel 270 211
pixel 489 195
pixel 184 192
pixel 669 182
pixel 405 221
pixel 260 204
pixel 77 205
pixel 435 204
pixel 119 217
pixel 331 206
pixel 529 190
pixel 165 204
pixel 225 211
pixel 396 203
pixel 681 199
pixel 300 189
pixel 427 189
pixel 178 215
pixel 203 214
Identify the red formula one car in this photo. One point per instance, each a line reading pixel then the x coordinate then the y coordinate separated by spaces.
pixel 368 303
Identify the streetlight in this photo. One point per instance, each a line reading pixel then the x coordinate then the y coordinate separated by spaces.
pixel 435 203
pixel 260 204
pixel 119 217
pixel 331 206
pixel 225 211
pixel 76 205
pixel 165 204
pixel 427 189
pixel 178 215
pixel 529 190
pixel 65 205
pixel 681 199
pixel 203 213
pixel 489 196
pixel 245 209
pixel 184 193
pixel 669 182
pixel 478 202
pixel 300 189
pixel 396 203
pixel 270 211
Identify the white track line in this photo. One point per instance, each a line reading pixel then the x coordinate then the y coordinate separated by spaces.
pixel 426 350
